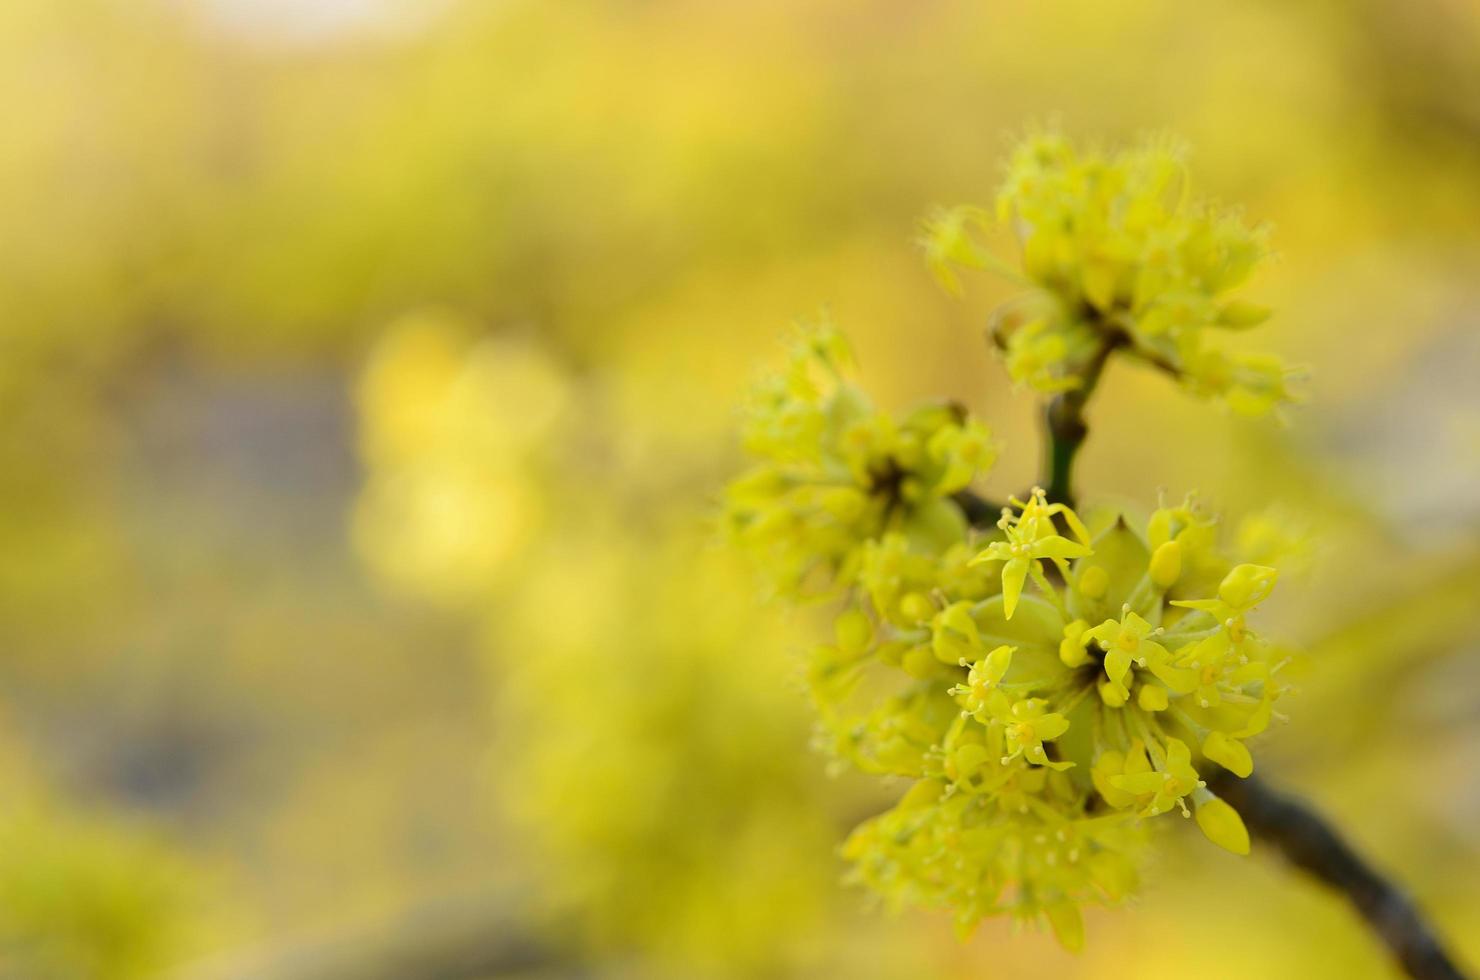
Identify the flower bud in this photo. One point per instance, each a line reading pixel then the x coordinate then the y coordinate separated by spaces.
pixel 1247 585
pixel 1071 647
pixel 969 758
pixel 1166 565
pixel 844 503
pixel 916 607
pixel 1068 925
pixel 919 662
pixel 1094 582
pixel 1222 825
pixel 1229 753
pixel 853 631
pixel 1152 697
pixel 1240 314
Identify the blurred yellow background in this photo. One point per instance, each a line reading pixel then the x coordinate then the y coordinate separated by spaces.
pixel 367 378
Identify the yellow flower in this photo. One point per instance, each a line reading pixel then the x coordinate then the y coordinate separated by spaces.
pixel 1245 587
pixel 1032 538
pixel 1027 724
pixel 983 679
pixel 1165 786
pixel 1129 641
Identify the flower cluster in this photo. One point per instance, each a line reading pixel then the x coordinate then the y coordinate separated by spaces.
pixel 1052 684
pixel 1048 684
pixel 834 474
pixel 1118 253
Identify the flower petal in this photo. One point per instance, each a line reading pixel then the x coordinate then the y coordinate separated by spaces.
pixel 1014 573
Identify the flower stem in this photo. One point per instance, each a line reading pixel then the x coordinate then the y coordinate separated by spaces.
pixel 1065 426
pixel 1311 844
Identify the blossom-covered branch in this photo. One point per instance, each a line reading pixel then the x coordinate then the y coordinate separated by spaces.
pixel 1050 685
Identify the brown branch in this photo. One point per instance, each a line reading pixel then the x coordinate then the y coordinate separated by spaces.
pixel 1311 844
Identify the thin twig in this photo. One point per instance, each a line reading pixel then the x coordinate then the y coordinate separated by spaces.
pixel 1065 425
pixel 1311 844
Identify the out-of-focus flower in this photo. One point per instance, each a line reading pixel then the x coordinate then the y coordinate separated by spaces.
pixel 1119 253
pixel 833 473
pixel 454 427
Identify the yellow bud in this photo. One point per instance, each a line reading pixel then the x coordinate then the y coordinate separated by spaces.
pixel 1159 528
pixel 1152 697
pixel 1239 314
pixel 1099 284
pixel 1110 764
pixel 957 616
pixel 853 631
pixel 1072 652
pixel 1068 925
pixel 892 653
pixel 967 759
pixel 998 661
pixel 1094 582
pixel 916 607
pixel 1229 753
pixel 1222 825
pixel 919 662
pixel 1166 565
pixel 922 794
pixel 844 503
pixel 1114 873
pixel 1112 694
pixel 1038 254
pixel 1247 585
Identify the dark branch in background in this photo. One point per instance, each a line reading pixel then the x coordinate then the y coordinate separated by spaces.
pixel 1303 836
pixel 979 511
pixel 1311 844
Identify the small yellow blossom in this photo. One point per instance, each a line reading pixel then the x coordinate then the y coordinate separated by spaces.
pixel 1032 538
pixel 1165 786
pixel 1027 724
pixel 983 679
pixel 1129 641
